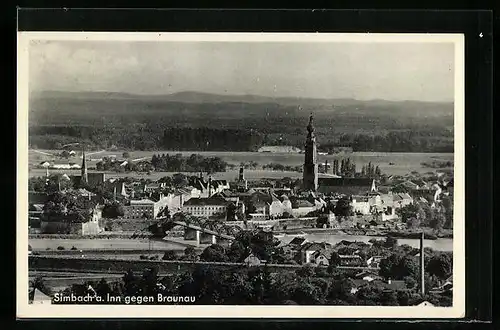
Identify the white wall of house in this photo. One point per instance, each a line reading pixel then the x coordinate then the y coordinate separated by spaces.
pixel 302 211
pixel 204 210
pixel 361 207
pixel 276 208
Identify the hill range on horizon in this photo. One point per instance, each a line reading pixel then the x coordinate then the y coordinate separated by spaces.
pixel 280 119
pixel 203 97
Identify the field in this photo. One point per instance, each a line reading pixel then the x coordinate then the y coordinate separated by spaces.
pixel 389 163
pixel 112 244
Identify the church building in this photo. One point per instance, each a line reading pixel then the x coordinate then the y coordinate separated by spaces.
pixel 310 177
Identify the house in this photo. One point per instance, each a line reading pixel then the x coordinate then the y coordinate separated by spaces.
pixel 401 200
pixel 445 287
pixel 421 184
pixel 360 204
pixel 37 297
pixel 298 241
pixel 266 203
pixel 253 260
pixel 145 208
pixel 385 285
pixel 352 260
pixel 368 275
pixel 44 164
pixel 220 185
pixel 301 206
pixel 374 261
pixel 152 187
pixel 346 186
pixel 140 209
pixel 307 252
pixel 407 185
pixel 85 193
pixel 391 285
pixel 205 207
pixel 286 203
pixel 321 257
pixel 374 199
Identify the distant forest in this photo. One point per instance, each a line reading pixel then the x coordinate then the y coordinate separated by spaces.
pixel 181 124
pixel 211 139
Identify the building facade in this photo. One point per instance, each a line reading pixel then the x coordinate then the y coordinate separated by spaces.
pixel 205 207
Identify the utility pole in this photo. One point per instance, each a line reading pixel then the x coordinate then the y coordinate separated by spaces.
pixel 422 265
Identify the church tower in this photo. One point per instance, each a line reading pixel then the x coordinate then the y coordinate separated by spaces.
pixel 310 179
pixel 84 178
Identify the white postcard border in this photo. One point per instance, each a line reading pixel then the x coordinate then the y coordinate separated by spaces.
pixel 25 310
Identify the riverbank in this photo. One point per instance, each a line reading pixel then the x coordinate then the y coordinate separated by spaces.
pixel 428 233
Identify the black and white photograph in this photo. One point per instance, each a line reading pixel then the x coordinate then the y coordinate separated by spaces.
pixel 240 175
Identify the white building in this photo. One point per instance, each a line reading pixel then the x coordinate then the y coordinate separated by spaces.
pixel 144 208
pixel 361 204
pixel 205 207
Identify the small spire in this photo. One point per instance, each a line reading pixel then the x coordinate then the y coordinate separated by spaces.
pixel 310 127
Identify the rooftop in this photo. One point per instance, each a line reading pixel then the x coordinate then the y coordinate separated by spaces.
pixel 214 200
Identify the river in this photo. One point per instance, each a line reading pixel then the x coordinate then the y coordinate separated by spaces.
pixel 115 244
pixel 440 244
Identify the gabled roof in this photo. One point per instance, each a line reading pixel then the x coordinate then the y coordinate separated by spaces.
pixel 300 202
pixel 310 246
pixel 141 201
pixel 297 241
pixel 214 200
pixel 339 182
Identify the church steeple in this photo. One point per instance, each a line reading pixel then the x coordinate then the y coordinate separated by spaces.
pixel 310 127
pixel 310 178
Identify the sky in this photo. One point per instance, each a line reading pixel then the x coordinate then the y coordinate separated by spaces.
pixel 363 71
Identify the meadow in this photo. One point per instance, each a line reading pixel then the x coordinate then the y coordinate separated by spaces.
pixel 389 163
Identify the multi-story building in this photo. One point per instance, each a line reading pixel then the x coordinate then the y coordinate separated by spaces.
pixel 205 207
pixel 144 208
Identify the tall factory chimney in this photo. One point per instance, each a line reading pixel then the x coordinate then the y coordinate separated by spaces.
pixel 422 265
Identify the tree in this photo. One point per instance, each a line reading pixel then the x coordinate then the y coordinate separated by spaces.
pixel 231 212
pixel 413 223
pixel 390 242
pixel 190 253
pixel 179 180
pixel 411 211
pixel 39 283
pixel 410 282
pixel 398 266
pixel 169 255
pixel 438 221
pixel 113 211
pixel 447 204
pixel 305 271
pixel 214 253
pixel 335 259
pixel 440 265
pixel 103 288
pixel 343 208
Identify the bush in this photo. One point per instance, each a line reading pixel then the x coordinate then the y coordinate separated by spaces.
pixel 60 248
pixel 48 249
pixel 73 248
pixel 143 257
pixel 169 255
pixel 154 257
